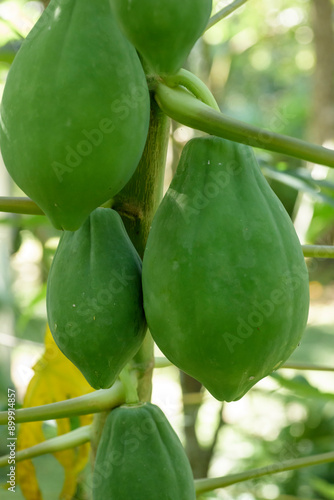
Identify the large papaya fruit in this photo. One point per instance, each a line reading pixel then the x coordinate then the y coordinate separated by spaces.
pixel 140 457
pixel 73 97
pixel 94 297
pixel 163 31
pixel 225 283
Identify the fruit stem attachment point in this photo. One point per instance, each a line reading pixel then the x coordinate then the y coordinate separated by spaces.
pixel 223 13
pixel 129 381
pixel 180 105
pixel 192 83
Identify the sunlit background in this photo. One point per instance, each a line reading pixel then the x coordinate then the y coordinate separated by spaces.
pixel 261 64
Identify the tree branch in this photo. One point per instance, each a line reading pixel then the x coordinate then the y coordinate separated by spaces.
pixel 64 442
pixel 226 11
pixel 205 485
pixel 183 107
pixel 94 402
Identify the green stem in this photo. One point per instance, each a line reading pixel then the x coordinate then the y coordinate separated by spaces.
pixel 72 439
pixel 94 402
pixel 23 206
pixel 318 251
pixel 308 367
pixel 194 84
pixel 130 386
pixel 226 11
pixel 98 424
pixel 140 198
pixel 205 485
pixel 100 401
pixel 183 107
pixel 144 365
pixel 137 204
pixel 161 362
pixel 26 206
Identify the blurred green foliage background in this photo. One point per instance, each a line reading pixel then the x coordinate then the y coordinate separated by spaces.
pixel 271 64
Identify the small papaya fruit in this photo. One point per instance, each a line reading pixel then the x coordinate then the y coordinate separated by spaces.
pixel 140 457
pixel 163 31
pixel 75 93
pixel 94 298
pixel 225 284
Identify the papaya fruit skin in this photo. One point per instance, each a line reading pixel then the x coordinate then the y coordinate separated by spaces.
pixel 74 94
pixel 94 298
pixel 163 32
pixel 225 284
pixel 140 457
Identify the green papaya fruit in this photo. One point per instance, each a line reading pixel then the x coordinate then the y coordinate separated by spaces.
pixel 140 457
pixel 163 31
pixel 73 97
pixel 94 298
pixel 225 284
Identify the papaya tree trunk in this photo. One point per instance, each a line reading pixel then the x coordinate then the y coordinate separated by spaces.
pixel 136 204
pixel 321 125
pixel 139 199
pixel 322 121
pixel 200 457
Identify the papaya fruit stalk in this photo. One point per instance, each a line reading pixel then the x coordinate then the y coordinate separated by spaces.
pixel 137 203
pixel 187 109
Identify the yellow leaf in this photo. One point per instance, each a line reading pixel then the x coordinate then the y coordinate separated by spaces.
pixel 55 379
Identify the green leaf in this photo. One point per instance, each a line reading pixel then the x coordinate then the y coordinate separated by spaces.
pixel 301 387
pixel 298 183
pixel 322 487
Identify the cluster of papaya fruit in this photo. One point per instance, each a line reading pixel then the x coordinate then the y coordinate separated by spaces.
pixel 224 286
pixel 76 92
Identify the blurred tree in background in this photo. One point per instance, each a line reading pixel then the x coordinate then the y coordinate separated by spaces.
pixel 271 64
